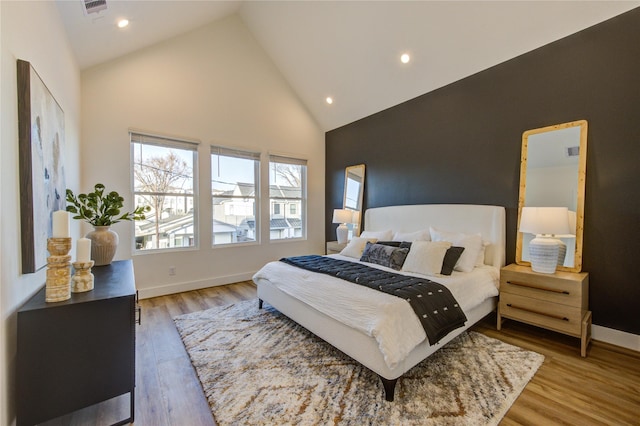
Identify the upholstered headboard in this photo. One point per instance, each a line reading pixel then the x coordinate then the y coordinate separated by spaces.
pixel 489 221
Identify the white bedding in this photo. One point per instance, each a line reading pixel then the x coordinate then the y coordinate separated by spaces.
pixel 388 319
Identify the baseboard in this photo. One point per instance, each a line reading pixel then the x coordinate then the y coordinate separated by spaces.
pixel 616 337
pixel 163 290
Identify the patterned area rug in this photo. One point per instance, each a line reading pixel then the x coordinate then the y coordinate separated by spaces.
pixel 258 367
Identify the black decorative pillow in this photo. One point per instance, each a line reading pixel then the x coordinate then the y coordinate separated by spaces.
pixel 389 243
pixel 450 259
pixel 405 244
pixel 384 255
pixel 399 244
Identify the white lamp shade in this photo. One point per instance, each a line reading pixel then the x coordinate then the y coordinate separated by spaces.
pixel 545 220
pixel 342 216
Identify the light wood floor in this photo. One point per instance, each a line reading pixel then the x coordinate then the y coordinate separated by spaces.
pixel 602 389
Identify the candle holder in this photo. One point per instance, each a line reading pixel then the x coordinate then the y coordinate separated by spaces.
pixel 58 286
pixel 82 280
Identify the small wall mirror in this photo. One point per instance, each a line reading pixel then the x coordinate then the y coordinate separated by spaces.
pixel 353 195
pixel 552 174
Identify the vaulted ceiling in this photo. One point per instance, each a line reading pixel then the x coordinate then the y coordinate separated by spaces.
pixel 349 50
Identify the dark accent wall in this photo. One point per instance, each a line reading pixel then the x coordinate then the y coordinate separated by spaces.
pixel 461 144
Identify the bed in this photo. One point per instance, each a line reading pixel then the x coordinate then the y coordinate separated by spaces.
pixel 343 313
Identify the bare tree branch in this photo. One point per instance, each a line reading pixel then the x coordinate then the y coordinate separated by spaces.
pixel 290 173
pixel 165 174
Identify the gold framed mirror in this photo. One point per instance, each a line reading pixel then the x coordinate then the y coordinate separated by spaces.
pixel 353 195
pixel 552 174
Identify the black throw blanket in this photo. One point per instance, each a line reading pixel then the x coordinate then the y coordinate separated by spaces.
pixel 433 303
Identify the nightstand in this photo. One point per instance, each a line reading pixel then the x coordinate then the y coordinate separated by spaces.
pixel 334 247
pixel 557 302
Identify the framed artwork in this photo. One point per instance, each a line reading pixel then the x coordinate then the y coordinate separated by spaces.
pixel 41 155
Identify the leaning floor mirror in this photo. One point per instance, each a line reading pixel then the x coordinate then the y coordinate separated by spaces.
pixel 353 196
pixel 552 174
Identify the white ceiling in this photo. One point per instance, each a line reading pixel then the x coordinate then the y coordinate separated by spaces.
pixel 349 50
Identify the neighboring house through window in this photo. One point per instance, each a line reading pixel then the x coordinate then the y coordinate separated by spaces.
pixel 235 195
pixel 165 178
pixel 287 197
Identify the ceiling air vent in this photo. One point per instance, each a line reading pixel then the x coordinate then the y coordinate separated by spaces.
pixel 573 151
pixel 93 6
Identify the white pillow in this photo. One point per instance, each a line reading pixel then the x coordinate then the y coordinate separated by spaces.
pixel 425 257
pixel 472 244
pixel 356 247
pixel 481 253
pixel 378 235
pixel 423 235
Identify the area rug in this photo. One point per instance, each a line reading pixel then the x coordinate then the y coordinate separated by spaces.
pixel 257 367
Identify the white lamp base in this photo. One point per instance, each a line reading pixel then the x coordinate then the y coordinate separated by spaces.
pixel 544 255
pixel 562 252
pixel 342 233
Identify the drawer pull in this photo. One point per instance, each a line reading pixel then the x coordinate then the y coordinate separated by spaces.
pixel 560 317
pixel 538 287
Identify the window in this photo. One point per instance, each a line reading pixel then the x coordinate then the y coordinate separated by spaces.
pixel 164 178
pixel 287 193
pixel 235 195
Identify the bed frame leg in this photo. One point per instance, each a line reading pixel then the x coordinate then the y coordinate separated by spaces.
pixel 259 303
pixel 389 388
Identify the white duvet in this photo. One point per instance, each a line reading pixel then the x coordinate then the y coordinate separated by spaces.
pixel 388 319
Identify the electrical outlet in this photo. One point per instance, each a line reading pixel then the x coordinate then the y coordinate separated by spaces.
pixel 172 270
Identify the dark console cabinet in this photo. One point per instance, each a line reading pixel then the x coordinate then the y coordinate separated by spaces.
pixel 79 352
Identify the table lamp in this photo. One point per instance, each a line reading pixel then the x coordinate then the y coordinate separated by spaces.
pixel 545 250
pixel 342 216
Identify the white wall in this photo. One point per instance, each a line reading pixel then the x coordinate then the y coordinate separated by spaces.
pixel 3 345
pixel 31 31
pixel 216 85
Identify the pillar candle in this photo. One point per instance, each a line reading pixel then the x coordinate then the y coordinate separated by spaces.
pixel 60 224
pixel 83 250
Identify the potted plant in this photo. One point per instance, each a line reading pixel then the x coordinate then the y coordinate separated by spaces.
pixel 102 210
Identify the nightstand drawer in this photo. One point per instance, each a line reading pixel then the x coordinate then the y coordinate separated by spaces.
pixel 569 294
pixel 550 288
pixel 537 312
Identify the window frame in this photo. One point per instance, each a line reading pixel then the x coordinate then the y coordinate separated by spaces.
pixel 243 154
pixel 137 137
pixel 280 159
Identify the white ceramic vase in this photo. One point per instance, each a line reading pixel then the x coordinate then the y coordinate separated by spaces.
pixel 104 242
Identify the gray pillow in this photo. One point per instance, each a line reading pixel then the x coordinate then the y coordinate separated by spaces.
pixel 391 257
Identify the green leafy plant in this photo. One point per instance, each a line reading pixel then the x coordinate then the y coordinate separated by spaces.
pixel 100 209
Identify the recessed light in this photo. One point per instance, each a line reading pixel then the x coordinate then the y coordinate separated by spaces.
pixel 405 58
pixel 329 100
pixel 123 23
